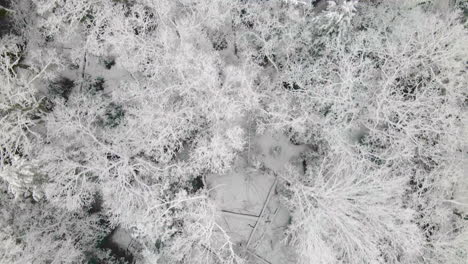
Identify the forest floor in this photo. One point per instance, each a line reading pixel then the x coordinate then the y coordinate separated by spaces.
pixel 247 197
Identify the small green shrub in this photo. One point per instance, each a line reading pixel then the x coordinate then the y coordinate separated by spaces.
pixel 3 13
pixel 62 87
pixel 97 85
pixel 114 115
pixel 109 62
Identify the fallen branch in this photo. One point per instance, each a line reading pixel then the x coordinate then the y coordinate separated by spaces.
pixel 258 257
pixel 273 186
pixel 249 216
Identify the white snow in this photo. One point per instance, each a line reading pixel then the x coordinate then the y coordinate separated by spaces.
pixel 275 150
pixel 243 194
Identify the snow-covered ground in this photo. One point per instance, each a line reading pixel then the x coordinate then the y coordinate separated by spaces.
pixel 249 203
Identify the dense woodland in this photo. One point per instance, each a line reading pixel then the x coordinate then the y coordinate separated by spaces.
pixel 115 115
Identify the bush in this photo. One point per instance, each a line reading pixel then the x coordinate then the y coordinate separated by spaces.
pixel 61 87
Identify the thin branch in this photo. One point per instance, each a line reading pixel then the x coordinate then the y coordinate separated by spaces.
pixel 249 216
pixel 262 212
pixel 83 71
pixel 39 74
pixel 7 9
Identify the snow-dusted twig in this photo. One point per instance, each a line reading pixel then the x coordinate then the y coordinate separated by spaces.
pixel 40 73
pixel 7 9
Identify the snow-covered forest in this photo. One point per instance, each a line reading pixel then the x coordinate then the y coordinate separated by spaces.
pixel 233 131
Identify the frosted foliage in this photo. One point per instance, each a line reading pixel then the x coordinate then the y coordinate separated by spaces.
pixel 39 233
pixel 17 101
pixel 339 14
pixel 236 138
pixel 334 207
pixel 155 221
pixel 23 179
pixel 233 132
pixel 402 88
pixel 219 152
